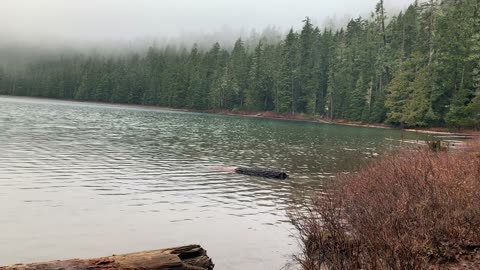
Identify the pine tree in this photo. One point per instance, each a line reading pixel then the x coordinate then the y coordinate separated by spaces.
pixel 399 93
pixel 253 100
pixel 212 67
pixel 239 66
pixel 288 84
pixel 418 112
pixel 307 96
pixel 356 102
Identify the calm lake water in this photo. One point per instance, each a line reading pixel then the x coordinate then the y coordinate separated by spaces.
pixel 89 180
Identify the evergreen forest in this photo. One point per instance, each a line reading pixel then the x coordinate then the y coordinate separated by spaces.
pixel 417 68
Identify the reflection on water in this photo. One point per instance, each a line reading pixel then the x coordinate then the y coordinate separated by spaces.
pixel 83 180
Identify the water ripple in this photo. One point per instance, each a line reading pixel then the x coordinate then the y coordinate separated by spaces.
pixel 96 172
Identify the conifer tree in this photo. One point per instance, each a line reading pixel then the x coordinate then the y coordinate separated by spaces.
pixel 420 67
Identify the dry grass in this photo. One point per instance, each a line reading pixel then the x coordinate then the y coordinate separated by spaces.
pixel 410 210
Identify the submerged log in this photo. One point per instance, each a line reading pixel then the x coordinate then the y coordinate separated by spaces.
pixel 262 173
pixel 192 257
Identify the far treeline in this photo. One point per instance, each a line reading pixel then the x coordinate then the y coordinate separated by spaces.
pixel 420 68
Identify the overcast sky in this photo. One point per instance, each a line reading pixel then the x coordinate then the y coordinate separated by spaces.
pixel 101 20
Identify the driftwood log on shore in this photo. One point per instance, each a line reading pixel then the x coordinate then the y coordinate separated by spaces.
pixel 192 257
pixel 262 173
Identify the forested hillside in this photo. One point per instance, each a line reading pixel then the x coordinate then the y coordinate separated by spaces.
pixel 417 68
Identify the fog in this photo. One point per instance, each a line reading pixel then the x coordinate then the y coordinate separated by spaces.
pixel 80 22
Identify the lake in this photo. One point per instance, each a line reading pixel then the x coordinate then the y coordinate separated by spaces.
pixel 90 180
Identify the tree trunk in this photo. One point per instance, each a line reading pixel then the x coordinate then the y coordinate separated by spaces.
pixel 192 257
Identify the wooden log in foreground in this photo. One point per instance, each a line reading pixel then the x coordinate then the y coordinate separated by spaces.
pixel 192 257
pixel 261 173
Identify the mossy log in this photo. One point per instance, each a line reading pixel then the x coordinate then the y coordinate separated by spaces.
pixel 262 173
pixel 192 257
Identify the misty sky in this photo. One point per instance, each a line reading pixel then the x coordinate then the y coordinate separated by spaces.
pixel 99 20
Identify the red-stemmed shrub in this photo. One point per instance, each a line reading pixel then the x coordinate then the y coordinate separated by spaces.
pixel 409 210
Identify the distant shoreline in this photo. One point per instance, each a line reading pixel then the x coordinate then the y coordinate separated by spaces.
pixel 275 115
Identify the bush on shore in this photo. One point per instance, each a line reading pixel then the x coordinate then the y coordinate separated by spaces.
pixel 410 210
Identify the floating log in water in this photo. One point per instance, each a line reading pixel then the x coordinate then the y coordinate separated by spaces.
pixel 192 257
pixel 261 173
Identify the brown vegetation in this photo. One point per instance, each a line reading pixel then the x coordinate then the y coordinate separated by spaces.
pixel 411 210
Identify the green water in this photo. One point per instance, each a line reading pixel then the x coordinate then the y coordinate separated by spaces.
pixel 86 180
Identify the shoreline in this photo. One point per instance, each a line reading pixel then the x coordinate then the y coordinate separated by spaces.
pixel 279 116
